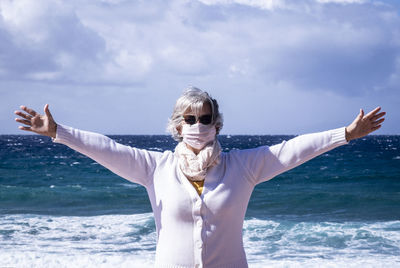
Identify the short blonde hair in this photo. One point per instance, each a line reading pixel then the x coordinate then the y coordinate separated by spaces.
pixel 193 99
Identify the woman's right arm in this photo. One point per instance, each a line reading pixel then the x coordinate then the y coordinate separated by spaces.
pixel 264 163
pixel 130 163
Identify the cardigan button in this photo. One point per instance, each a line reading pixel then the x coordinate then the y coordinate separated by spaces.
pixel 199 223
pixel 199 244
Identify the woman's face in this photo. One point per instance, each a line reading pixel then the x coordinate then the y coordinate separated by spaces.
pixel 206 110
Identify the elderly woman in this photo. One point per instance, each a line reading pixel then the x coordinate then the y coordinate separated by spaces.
pixel 198 194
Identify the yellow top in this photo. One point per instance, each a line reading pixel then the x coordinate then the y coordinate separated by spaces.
pixel 198 185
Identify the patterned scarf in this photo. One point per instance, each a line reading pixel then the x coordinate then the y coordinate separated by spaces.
pixel 195 166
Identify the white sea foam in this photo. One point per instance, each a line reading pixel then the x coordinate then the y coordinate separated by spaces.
pixel 130 240
pixel 61 156
pixel 129 185
pixel 157 149
pixel 98 241
pixel 339 262
pixel 64 260
pixel 325 244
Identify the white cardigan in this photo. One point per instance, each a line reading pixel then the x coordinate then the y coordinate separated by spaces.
pixel 205 230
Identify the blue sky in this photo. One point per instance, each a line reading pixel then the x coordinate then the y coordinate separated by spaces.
pixel 275 66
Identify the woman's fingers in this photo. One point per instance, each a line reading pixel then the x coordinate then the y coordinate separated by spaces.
pixel 360 115
pixel 377 116
pixel 23 121
pixel 23 115
pixel 25 128
pixel 28 110
pixel 373 112
pixel 378 121
pixel 47 111
pixel 375 128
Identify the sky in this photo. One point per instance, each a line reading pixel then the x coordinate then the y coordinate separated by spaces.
pixel 274 66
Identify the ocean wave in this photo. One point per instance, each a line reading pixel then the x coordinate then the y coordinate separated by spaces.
pixel 91 235
pixel 319 243
pixel 130 240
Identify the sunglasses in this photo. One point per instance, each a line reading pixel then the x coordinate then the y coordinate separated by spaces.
pixel 204 119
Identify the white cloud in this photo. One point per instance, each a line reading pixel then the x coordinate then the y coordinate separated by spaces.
pixel 43 75
pixel 282 61
pixel 128 42
pixel 263 4
pixel 23 18
pixel 45 37
pixel 341 1
pixel 128 65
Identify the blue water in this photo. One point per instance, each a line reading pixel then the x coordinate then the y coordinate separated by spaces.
pixel 59 208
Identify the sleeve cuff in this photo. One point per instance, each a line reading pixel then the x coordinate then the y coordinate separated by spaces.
pixel 62 135
pixel 339 136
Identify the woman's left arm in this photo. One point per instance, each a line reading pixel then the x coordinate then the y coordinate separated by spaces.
pixel 265 162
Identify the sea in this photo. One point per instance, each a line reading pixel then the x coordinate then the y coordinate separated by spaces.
pixel 59 208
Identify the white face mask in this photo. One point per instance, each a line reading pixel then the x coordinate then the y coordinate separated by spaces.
pixel 198 135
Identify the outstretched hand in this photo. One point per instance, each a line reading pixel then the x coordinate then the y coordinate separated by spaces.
pixel 363 125
pixel 35 122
